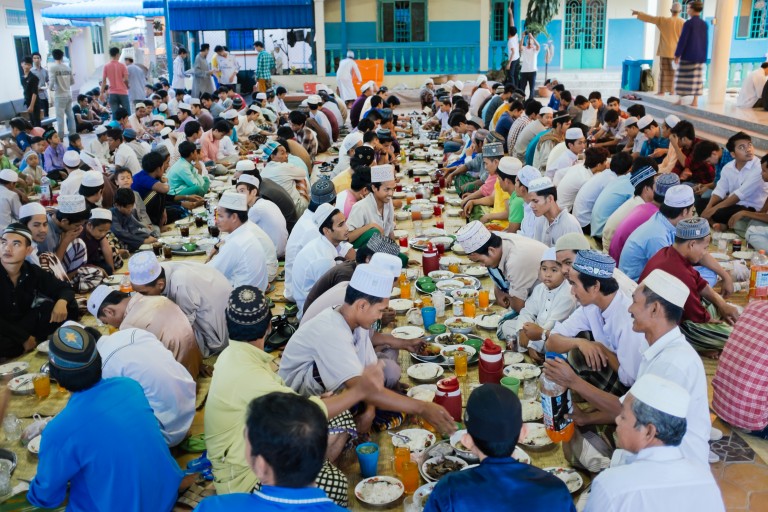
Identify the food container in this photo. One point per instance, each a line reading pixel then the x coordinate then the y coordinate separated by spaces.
pixel 449 396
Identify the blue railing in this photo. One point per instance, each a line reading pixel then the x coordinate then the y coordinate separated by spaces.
pixel 497 55
pixel 738 69
pixel 411 58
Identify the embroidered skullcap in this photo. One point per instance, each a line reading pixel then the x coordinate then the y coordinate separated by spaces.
pixel 382 173
pixel 510 165
pixel 528 174
pixel 17 228
pixel 540 184
pixel 692 229
pixel 96 299
pixel 71 204
pixel 323 191
pixel 572 242
pixel 372 281
pixel 270 147
pixel 364 154
pixel 384 135
pixel 473 236
pixel 72 348
pixel 495 149
pixel 664 182
pixel 92 179
pixel 101 214
pixel 642 174
pixel 144 268
pixel 595 264
pixel 247 311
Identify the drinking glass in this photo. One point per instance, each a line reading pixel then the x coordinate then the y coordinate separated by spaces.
pixel 440 199
pixel 484 299
pixel 184 230
pixel 405 290
pixel 469 307
pixel 167 252
pixel 402 455
pixel 404 241
pixel 460 364
pixel 12 427
pixel 410 477
pixel 440 224
pixel 42 384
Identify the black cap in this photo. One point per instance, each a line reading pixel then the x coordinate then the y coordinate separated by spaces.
pixel 494 414
pixel 364 155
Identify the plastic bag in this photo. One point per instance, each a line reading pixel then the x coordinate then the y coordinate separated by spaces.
pixel 35 429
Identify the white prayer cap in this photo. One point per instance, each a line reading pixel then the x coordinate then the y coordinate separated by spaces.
pixel 251 180
pixel 549 255
pixel 630 121
pixel 321 87
pixel 667 286
pixel 644 121
pixel 572 242
pixel 101 214
pixel 546 110
pixel 245 165
pixel 388 262
pixel 92 179
pixel 382 173
pixel 679 196
pixel 195 101
pixel 97 298
pixel 481 79
pixel 322 213
pixel 162 108
pixel 429 81
pixel 158 118
pixel 30 209
pixel 473 236
pixel 314 99
pixel 459 85
pixel 255 108
pixel 574 134
pixel 510 165
pixel 144 268
pixel 351 141
pixel 367 85
pixel 261 96
pixel 350 54
pixel 229 114
pixel 662 394
pixel 166 131
pixel 185 106
pixel 448 85
pixel 671 120
pixel 528 174
pixel 233 201
pixel 139 105
pixel 71 159
pixel 372 281
pixel 71 204
pixel 539 184
pixel 9 176
pixel 100 130
pixel 170 122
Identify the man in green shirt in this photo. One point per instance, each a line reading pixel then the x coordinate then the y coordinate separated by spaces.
pixel 185 177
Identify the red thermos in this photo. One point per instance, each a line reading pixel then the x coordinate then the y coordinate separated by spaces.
pixel 430 260
pixel 491 366
pixel 449 396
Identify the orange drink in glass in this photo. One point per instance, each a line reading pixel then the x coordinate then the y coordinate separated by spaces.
pixel 484 299
pixel 469 307
pixel 402 455
pixel 460 364
pixel 42 384
pixel 405 290
pixel 410 477
pixel 454 267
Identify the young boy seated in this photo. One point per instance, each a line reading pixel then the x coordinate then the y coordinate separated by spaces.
pixel 99 251
pixel 9 199
pixel 494 421
pixel 33 169
pixel 551 301
pixel 124 179
pixel 126 227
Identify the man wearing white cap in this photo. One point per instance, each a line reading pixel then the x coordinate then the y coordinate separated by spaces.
pixel 366 90
pixel 197 289
pixel 9 199
pixel 262 212
pixel 345 73
pixel 574 179
pixel 481 93
pixel 124 155
pixel 64 228
pixel 138 119
pixel 552 222
pixel 575 143
pixel 524 178
pixel 512 261
pixel 157 315
pixel 543 143
pixel 240 257
pixel 651 427
pixel 322 253
pixel 99 147
pixel 351 142
pixel 376 210
pixel 542 122
pixel 531 114
pixel 34 217
pixel 655 311
pixel 290 177
pixel 655 146
pixel 313 368
pixel 670 159
pixel 314 102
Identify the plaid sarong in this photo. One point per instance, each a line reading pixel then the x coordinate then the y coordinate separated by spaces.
pixel 605 379
pixel 690 79
pixel 464 183
pixel 666 75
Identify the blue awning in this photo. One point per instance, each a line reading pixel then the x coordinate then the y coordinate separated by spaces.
pixel 100 9
pixel 237 14
pixel 54 22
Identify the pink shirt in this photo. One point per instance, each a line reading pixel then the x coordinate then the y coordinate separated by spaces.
pixel 116 74
pixel 487 188
pixel 631 222
pixel 209 146
pixel 349 202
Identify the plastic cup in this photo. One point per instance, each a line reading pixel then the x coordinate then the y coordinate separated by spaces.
pixel 429 315
pixel 440 224
pixel 368 457
pixel 440 199
pixel 511 383
pixel 460 364
pixel 437 211
pixel 42 384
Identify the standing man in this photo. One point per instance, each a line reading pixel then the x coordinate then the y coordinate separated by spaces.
pixel 264 64
pixel 42 93
pixel 179 71
pixel 513 50
pixel 30 84
pixel 137 79
pixel 345 74
pixel 669 34
pixel 227 66
pixel 691 54
pixel 61 80
pixel 201 81
pixel 116 76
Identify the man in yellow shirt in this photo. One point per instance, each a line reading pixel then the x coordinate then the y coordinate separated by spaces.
pixel 669 33
pixel 490 203
pixel 364 155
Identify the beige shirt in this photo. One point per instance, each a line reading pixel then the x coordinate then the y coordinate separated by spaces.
pixel 163 318
pixel 669 32
pixel 520 261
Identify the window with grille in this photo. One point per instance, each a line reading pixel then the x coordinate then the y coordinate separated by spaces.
pixel 16 18
pixel 498 9
pixel 752 18
pixel 97 40
pixel 402 22
pixel 684 12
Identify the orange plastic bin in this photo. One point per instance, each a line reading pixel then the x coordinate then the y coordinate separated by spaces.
pixel 370 69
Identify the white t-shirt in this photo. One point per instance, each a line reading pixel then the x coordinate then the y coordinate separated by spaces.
pixel 267 215
pixel 513 48
pixel 529 60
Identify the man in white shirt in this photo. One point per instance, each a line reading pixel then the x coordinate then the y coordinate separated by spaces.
pixel 751 93
pixel 595 162
pixel 314 102
pixel 529 57
pixel 651 427
pixel 531 130
pixel 376 210
pixel 482 93
pixel 240 257
pixel 226 65
pixel 322 253
pixel 552 222
pixel 168 386
pixel 99 147
pixel 524 178
pixel 345 73
pixel 741 186
pixel 124 155
pixel 179 71
pixel 657 307
pixel 138 119
pixel 291 178
pixel 262 212
pixel 575 143
pixel 513 54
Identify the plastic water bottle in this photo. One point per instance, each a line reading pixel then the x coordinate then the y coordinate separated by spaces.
pixel 556 403
pixel 758 277
pixel 45 191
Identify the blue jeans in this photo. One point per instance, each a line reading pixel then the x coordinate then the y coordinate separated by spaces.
pixel 119 100
pixel 65 117
pixel 451 147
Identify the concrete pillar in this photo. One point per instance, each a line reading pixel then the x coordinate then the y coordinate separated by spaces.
pixel 320 37
pixel 105 36
pixel 149 36
pixel 485 33
pixel 343 28
pixel 725 11
pixel 30 11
